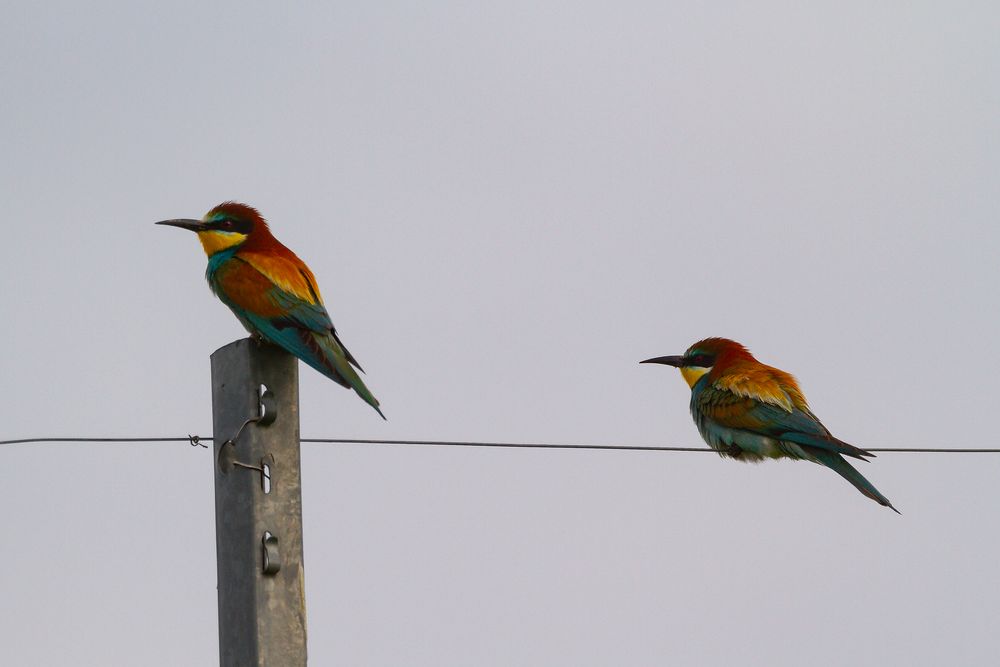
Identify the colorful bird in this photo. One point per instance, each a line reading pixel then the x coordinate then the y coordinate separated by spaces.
pixel 271 291
pixel 748 411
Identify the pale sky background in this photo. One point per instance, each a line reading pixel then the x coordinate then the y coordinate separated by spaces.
pixel 507 207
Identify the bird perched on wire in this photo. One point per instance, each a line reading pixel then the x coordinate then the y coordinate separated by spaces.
pixel 748 411
pixel 271 291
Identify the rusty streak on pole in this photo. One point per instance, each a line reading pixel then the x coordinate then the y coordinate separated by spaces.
pixel 262 614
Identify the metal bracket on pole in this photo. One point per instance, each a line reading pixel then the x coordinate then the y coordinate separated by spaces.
pixel 272 560
pixel 262 617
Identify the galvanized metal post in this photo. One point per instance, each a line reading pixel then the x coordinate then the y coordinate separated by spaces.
pixel 258 506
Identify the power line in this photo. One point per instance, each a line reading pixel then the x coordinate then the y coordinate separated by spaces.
pixel 197 440
pixel 508 445
pixel 639 448
pixel 29 440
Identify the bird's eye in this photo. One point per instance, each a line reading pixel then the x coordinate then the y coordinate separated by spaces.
pixel 226 224
pixel 700 360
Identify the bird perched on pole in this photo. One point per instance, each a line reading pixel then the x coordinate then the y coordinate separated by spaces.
pixel 271 291
pixel 748 411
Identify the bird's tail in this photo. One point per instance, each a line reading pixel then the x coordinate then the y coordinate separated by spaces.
pixel 837 463
pixel 334 361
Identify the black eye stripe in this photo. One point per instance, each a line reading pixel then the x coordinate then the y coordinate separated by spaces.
pixel 702 360
pixel 231 224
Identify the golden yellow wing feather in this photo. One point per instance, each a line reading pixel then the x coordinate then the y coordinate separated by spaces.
pixel 289 275
pixel 762 383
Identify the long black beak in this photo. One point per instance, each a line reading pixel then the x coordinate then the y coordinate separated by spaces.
pixel 184 223
pixel 669 361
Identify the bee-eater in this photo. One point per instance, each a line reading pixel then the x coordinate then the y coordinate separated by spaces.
pixel 271 291
pixel 748 411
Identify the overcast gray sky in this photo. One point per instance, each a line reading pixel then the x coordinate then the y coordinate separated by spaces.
pixel 507 207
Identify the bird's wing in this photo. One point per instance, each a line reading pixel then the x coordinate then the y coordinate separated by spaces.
pixel 764 402
pixel 299 292
pixel 287 311
pixel 275 289
pixel 750 412
pixel 762 383
pixel 287 272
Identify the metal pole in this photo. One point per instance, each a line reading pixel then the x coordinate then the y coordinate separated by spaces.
pixel 258 506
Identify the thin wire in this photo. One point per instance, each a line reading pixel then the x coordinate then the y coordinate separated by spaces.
pixel 638 448
pixel 521 445
pixel 24 440
pixel 197 440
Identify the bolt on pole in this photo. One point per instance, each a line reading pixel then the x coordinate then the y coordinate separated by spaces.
pixel 258 506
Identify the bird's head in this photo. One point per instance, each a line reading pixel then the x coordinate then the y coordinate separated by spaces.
pixel 226 226
pixel 704 356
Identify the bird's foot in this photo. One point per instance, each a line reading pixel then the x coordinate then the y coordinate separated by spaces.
pixel 733 451
pixel 257 338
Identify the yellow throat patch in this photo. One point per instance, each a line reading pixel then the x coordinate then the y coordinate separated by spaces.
pixel 215 240
pixel 693 373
